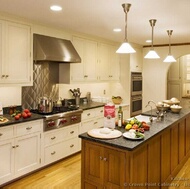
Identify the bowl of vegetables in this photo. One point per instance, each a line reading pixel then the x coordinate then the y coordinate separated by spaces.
pixel 116 99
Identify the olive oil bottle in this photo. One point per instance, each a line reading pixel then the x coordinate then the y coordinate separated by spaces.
pixel 120 116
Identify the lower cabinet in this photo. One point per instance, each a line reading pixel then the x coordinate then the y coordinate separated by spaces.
pixel 104 167
pixel 60 143
pixel 20 151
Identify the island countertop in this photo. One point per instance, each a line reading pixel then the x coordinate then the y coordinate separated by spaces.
pixel 156 127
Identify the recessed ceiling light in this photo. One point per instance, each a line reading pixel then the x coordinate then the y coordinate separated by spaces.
pixel 148 41
pixel 117 30
pixel 56 8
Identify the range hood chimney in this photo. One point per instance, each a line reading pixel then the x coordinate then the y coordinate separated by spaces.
pixel 51 49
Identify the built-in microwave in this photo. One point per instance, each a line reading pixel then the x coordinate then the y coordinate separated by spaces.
pixel 136 83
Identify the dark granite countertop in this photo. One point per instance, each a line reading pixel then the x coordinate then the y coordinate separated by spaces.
pixel 21 120
pixel 155 128
pixel 91 105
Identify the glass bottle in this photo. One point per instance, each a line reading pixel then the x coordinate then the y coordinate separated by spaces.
pixel 120 116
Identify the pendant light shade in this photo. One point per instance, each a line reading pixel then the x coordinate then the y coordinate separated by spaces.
pixel 125 46
pixel 152 53
pixel 169 58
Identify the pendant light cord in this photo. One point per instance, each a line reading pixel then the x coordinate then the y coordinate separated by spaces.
pixel 169 34
pixel 152 24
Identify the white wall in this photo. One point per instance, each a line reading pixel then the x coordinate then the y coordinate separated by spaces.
pixel 155 73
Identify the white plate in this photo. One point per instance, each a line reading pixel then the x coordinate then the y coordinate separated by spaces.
pixel 128 136
pixel 100 133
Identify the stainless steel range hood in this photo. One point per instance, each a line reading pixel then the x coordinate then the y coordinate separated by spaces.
pixel 51 49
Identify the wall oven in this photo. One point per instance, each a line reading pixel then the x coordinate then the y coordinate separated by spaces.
pixel 136 83
pixel 136 105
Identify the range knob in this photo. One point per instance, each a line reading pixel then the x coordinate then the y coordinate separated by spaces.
pixel 63 121
pixel 74 118
pixel 51 123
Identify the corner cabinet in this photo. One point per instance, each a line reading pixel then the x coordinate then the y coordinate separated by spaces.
pixel 87 69
pixel 109 63
pixel 15 53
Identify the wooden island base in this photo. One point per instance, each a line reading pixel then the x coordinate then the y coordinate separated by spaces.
pixel 152 164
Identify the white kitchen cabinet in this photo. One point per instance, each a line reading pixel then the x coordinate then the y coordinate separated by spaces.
pixel 61 143
pixel 136 60
pixel 175 72
pixel 87 69
pixel 109 63
pixel 15 53
pixel 174 89
pixel 20 149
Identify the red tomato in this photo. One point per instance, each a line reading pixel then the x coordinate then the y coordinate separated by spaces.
pixel 26 111
pixel 17 117
pixel 24 115
pixel 20 115
pixel 29 114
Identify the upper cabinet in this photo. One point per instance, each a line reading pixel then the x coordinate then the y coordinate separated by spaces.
pixel 15 53
pixel 109 63
pixel 175 71
pixel 87 69
pixel 136 60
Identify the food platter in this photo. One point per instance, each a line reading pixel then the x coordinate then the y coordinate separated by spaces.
pixel 104 133
pixel 130 136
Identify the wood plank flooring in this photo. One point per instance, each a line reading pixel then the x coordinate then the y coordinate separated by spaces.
pixel 66 174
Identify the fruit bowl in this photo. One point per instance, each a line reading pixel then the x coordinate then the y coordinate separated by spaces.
pixel 117 100
pixel 162 106
pixel 175 108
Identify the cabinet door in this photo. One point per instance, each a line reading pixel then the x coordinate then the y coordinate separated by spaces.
pixel 114 163
pixel 136 60
pixel 6 160
pixel 77 70
pixel 27 153
pixel 181 140
pixel 114 64
pixel 18 53
pixel 2 49
pixel 165 155
pixel 93 163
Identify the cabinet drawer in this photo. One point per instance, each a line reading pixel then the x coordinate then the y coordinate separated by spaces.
pixel 71 146
pixel 54 137
pixel 87 114
pixel 72 131
pixel 99 111
pixel 28 127
pixel 54 152
pixel 6 132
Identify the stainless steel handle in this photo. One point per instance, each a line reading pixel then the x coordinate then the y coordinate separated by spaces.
pixel 28 128
pixel 72 145
pixel 52 138
pixel 52 153
pixel 1 134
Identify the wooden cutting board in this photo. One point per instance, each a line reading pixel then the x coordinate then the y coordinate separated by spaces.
pixel 104 133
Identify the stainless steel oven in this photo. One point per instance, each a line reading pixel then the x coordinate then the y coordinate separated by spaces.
pixel 136 83
pixel 136 105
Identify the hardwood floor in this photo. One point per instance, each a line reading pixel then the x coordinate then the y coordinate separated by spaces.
pixel 66 174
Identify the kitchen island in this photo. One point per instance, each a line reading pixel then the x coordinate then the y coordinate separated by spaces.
pixel 150 163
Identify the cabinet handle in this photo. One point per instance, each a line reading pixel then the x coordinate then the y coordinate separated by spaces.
pixel 105 159
pixel 101 111
pixel 28 128
pixel 52 138
pixel 72 132
pixel 6 76
pixel 1 134
pixel 95 122
pixel 52 153
pixel 85 76
pixel 16 146
pixel 101 158
pixel 88 114
pixel 3 76
pixel 72 145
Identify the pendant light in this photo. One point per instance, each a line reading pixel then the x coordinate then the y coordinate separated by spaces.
pixel 125 46
pixel 152 53
pixel 169 58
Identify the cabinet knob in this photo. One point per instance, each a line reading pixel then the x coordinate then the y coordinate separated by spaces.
pixel 28 128
pixel 52 138
pixel 3 76
pixel 101 158
pixel 72 145
pixel 52 153
pixel 6 76
pixel 105 159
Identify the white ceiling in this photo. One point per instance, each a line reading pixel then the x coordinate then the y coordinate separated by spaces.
pixel 100 17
